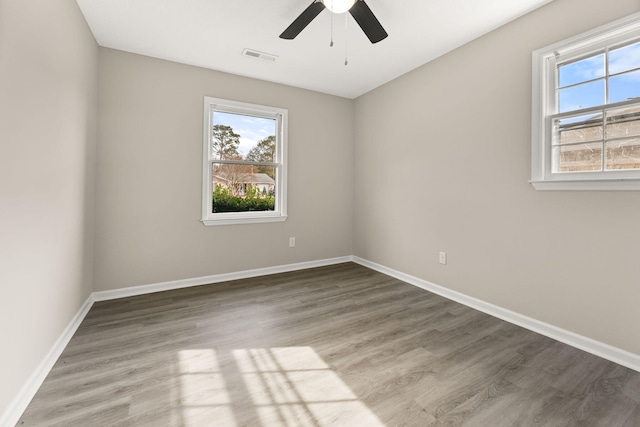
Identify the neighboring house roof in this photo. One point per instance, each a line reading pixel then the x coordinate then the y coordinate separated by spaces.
pixel 249 178
pixel 260 178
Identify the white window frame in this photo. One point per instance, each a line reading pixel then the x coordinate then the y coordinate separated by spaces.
pixel 544 107
pixel 279 213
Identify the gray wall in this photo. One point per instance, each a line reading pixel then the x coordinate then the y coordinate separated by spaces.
pixel 442 163
pixel 437 160
pixel 149 175
pixel 48 104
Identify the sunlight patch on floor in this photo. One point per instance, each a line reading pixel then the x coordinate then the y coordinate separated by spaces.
pixel 204 394
pixel 293 386
pixel 290 386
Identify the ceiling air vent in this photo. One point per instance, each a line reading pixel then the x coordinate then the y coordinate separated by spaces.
pixel 259 55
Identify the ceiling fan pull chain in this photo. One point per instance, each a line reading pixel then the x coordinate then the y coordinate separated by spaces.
pixel 346 39
pixel 331 44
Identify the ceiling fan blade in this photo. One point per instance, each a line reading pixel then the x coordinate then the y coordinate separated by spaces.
pixel 302 21
pixel 368 21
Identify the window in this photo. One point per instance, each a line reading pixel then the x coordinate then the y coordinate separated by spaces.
pixel 586 111
pixel 244 163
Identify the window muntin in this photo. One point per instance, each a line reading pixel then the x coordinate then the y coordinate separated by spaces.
pixel 586 110
pixel 608 139
pixel 244 171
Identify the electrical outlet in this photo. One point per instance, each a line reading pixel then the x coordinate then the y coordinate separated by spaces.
pixel 443 258
pixel 292 242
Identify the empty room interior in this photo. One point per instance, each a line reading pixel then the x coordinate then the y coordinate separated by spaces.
pixel 447 243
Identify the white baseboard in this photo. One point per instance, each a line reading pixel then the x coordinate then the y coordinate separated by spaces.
pixel 15 410
pixel 216 278
pixel 606 351
pixel 17 407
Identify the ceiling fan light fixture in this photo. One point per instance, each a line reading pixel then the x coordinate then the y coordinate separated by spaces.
pixel 339 6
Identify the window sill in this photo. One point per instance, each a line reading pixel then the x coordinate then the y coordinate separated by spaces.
pixel 243 220
pixel 588 185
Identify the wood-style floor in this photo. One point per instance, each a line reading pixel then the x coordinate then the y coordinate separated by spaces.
pixel 333 346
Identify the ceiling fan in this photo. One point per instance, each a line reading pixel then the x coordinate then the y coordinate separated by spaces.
pixel 357 8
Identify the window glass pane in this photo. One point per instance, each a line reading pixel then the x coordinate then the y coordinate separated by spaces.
pixel 581 96
pixel 238 136
pixel 581 71
pixel 623 122
pixel 624 59
pixel 579 158
pixel 624 87
pixel 623 154
pixel 243 188
pixel 578 129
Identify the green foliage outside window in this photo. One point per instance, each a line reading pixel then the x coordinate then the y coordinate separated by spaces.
pixel 253 200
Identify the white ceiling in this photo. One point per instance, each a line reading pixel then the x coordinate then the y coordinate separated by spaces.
pixel 213 34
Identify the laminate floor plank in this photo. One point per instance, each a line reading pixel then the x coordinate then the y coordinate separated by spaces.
pixel 340 345
pixel 634 419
